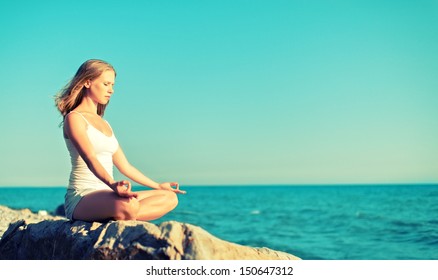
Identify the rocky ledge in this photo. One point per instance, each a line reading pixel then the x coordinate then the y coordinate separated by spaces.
pixel 45 237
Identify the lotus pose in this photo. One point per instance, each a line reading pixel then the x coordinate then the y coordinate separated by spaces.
pixel 92 193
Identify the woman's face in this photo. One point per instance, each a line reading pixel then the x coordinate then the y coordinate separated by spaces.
pixel 101 88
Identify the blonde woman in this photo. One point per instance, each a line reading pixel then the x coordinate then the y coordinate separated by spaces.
pixel 92 193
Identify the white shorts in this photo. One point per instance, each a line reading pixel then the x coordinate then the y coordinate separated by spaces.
pixel 74 195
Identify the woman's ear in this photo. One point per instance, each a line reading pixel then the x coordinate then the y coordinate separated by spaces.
pixel 87 84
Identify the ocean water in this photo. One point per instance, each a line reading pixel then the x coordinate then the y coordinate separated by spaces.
pixel 364 222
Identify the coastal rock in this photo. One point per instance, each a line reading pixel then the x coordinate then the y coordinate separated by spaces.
pixel 59 211
pixel 8 215
pixel 59 238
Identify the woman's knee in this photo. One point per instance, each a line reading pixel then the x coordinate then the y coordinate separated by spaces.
pixel 126 209
pixel 172 199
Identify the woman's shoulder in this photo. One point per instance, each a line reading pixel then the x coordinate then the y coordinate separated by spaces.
pixel 75 118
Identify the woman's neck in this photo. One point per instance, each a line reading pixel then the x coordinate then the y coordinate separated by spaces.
pixel 87 105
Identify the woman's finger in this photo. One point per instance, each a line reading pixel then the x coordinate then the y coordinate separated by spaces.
pixel 133 194
pixel 179 191
pixel 127 184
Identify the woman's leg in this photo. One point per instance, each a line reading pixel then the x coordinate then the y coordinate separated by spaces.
pixel 155 204
pixel 104 205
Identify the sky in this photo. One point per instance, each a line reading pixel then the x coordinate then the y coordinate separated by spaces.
pixel 230 92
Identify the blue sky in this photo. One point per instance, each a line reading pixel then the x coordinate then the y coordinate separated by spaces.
pixel 230 92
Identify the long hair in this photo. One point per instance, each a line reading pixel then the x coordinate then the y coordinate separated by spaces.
pixel 72 94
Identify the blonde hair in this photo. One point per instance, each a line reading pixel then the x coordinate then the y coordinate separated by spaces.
pixel 72 94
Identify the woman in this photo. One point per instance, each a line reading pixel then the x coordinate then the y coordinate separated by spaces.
pixel 92 193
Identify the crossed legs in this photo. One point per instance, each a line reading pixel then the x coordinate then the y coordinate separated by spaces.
pixel 104 205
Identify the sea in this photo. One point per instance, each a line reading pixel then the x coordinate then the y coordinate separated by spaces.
pixel 318 222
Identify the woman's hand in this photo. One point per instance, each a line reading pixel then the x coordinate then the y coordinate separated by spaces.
pixel 168 187
pixel 123 189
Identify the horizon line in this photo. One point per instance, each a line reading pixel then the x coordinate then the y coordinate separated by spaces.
pixel 257 185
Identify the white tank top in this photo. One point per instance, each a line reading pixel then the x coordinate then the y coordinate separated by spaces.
pixel 81 177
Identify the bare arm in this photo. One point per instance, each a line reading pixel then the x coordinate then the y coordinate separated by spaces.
pixel 75 129
pixel 122 163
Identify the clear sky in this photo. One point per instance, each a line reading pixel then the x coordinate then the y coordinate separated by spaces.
pixel 230 92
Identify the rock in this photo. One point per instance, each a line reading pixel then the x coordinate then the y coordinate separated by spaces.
pixel 60 211
pixel 8 215
pixel 59 238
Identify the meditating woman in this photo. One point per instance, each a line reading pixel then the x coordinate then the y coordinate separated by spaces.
pixel 92 193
